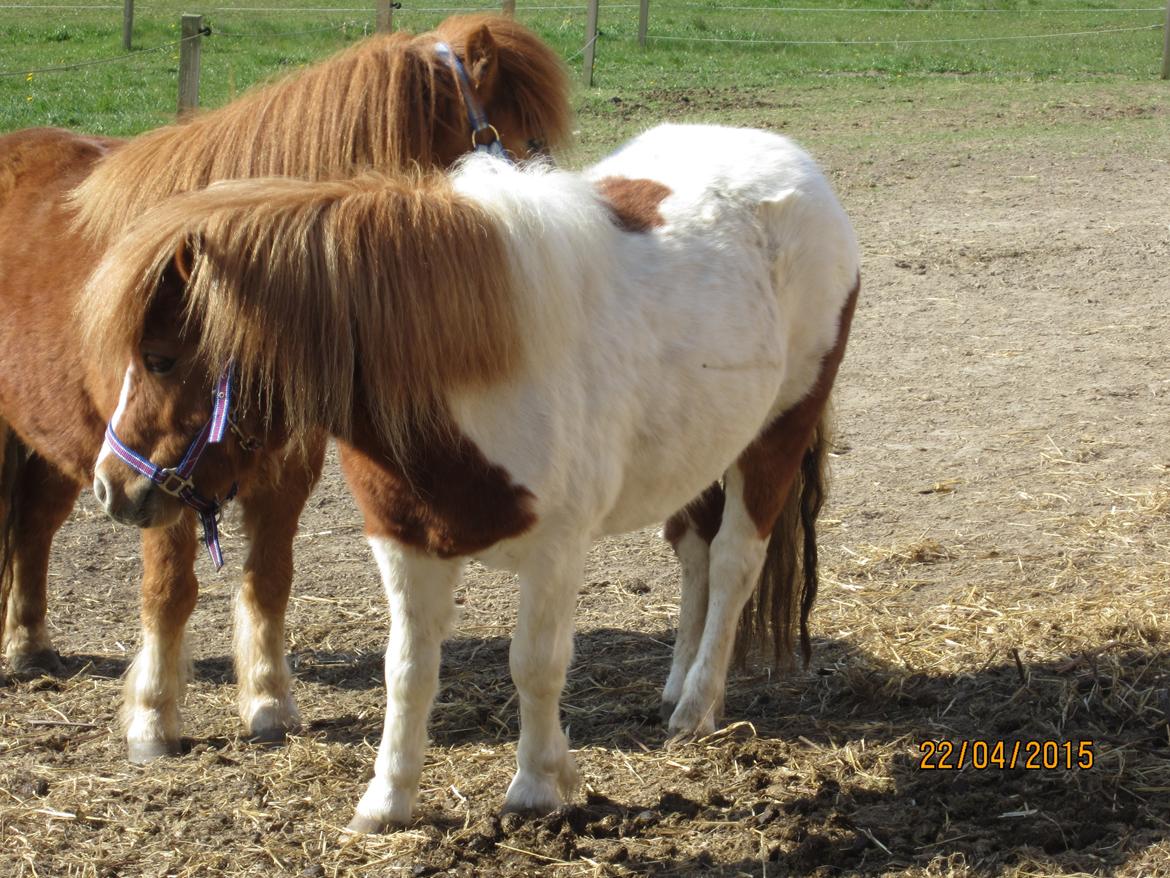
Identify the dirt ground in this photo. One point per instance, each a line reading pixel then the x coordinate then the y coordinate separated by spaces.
pixel 996 567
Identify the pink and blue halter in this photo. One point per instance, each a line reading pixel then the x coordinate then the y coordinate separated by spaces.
pixel 176 480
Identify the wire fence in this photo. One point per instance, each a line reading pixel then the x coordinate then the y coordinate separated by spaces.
pixel 575 30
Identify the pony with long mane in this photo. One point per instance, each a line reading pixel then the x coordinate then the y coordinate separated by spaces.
pixel 388 102
pixel 516 361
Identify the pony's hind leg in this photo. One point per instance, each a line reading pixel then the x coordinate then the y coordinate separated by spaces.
pixel 421 592
pixel 41 502
pixel 689 532
pixel 542 647
pixel 156 680
pixel 737 557
pixel 270 514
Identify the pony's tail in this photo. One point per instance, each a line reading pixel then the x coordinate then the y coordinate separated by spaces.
pixel 787 588
pixel 13 456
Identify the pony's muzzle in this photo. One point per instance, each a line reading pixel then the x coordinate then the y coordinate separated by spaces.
pixel 133 501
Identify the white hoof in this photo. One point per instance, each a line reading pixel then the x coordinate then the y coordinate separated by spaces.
pixel 142 752
pixel 382 807
pixel 268 720
pixel 152 734
pixel 542 793
pixel 690 720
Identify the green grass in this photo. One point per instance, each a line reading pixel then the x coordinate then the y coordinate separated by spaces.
pixel 138 91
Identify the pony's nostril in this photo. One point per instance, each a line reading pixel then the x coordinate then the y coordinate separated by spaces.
pixel 100 491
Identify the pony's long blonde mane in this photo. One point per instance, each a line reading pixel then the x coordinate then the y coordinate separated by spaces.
pixel 318 290
pixel 380 104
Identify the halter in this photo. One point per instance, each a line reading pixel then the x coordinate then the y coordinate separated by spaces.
pixel 476 117
pixel 176 480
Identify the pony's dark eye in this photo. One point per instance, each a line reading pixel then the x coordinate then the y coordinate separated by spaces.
pixel 158 364
pixel 537 147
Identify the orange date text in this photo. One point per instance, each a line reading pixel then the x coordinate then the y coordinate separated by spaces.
pixel 981 755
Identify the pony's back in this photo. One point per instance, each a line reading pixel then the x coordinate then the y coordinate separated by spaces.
pixel 717 165
pixel 379 104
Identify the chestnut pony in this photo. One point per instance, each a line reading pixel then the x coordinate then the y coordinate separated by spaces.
pixel 516 360
pixel 387 102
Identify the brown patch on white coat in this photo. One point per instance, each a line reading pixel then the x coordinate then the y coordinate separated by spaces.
pixel 634 203
pixel 444 497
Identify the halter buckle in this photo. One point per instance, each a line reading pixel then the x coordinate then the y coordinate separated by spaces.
pixel 247 443
pixel 174 484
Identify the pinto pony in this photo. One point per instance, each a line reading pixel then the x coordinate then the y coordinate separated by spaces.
pixel 387 102
pixel 516 361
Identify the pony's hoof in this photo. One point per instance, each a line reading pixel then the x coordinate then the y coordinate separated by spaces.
pixel 362 824
pixel 269 737
pixel 689 724
pixel 270 723
pixel 142 752
pixel 539 795
pixel 37 664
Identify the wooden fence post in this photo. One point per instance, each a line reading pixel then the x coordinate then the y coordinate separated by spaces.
pixel 1166 44
pixel 127 23
pixel 644 21
pixel 385 16
pixel 590 43
pixel 189 55
pixel 509 8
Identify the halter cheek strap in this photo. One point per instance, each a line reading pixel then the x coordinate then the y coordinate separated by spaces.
pixel 176 480
pixel 476 117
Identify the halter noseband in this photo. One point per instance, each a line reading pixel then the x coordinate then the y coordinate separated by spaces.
pixel 476 117
pixel 176 480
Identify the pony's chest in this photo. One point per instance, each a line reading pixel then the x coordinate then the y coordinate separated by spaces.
pixel 446 499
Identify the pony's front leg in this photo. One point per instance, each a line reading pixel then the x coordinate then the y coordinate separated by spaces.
pixel 737 557
pixel 271 511
pixel 420 590
pixel 542 647
pixel 41 501
pixel 156 680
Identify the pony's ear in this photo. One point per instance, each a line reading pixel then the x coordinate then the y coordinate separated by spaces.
pixel 184 261
pixel 483 63
pixel 186 252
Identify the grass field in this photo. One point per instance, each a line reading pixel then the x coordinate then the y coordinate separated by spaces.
pixel 137 91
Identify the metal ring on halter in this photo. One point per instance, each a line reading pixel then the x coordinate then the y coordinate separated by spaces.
pixel 475 144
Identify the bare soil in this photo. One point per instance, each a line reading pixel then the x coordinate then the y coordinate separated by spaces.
pixel 996 567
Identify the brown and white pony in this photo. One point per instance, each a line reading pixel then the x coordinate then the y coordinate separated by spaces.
pixel 515 365
pixel 388 102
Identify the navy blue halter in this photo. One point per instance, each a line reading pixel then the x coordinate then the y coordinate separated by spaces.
pixel 176 480
pixel 476 117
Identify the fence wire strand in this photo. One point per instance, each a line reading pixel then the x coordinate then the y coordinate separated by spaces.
pixel 1083 33
pixel 29 71
pixel 232 35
